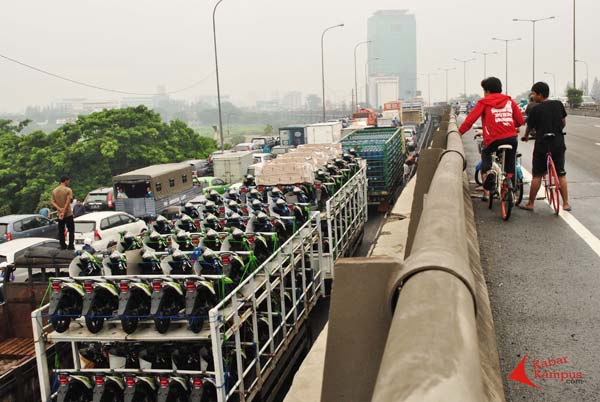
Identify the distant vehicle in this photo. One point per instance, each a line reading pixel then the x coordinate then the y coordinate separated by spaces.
pixel 232 167
pixel 11 250
pixel 323 133
pixel 20 226
pixel 246 146
pixel 102 227
pixel 100 199
pixel 262 158
pixel 208 183
pixel 266 142
pixel 409 136
pixel 153 189
pixel 200 167
pixel 364 118
pixel 292 135
pixel 281 149
pixel 588 101
pixel 413 113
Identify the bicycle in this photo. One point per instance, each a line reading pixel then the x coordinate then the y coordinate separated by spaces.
pixel 551 182
pixel 503 184
pixel 519 182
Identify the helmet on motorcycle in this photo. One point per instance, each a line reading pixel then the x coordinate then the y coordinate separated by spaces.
pixel 280 203
pixel 115 257
pixel 261 217
pixel 212 234
pixel 256 204
pixel 182 235
pixel 154 236
pixel 237 234
pixel 211 218
pixel 178 255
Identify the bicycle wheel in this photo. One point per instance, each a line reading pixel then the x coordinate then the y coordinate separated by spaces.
pixel 553 186
pixel 478 179
pixel 518 193
pixel 506 200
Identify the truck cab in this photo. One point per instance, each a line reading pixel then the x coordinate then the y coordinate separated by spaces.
pixel 364 118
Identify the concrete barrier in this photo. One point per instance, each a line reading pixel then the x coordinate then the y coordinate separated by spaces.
pixel 423 324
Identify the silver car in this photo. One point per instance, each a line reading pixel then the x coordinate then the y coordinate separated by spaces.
pixel 20 226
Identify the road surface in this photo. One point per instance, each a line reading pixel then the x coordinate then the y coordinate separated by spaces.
pixel 543 274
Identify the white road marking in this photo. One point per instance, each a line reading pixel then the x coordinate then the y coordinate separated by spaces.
pixel 577 226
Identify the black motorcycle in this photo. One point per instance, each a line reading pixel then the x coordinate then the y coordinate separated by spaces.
pixel 212 222
pixel 150 264
pixel 139 389
pixel 172 389
pixel 100 301
pixel 74 388
pixel 168 299
pixel 130 242
pixel 180 264
pixel 157 242
pixel 186 224
pixel 116 263
pixel 200 297
pixel 134 303
pixel 66 302
pixel 184 241
pixel 89 264
pixel 235 221
pixel 162 225
pixel 108 389
pixel 212 240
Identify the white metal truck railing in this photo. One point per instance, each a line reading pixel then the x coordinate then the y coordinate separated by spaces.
pixel 346 215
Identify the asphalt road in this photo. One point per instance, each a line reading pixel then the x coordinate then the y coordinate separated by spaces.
pixel 544 279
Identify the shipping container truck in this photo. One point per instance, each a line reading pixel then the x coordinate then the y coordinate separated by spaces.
pixel 293 135
pixel 232 166
pixel 384 151
pixel 323 133
pixel 150 190
pixel 413 113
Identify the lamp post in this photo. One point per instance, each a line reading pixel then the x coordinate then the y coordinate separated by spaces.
pixel 574 54
pixel 367 80
pixel 217 71
pixel 446 70
pixel 533 22
pixel 354 107
pixel 464 62
pixel 428 86
pixel 553 81
pixel 485 55
pixel 323 63
pixel 587 76
pixel 506 59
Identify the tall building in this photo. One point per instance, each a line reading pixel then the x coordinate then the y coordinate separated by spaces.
pixel 392 53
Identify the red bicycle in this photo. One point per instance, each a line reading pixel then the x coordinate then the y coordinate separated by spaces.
pixel 551 179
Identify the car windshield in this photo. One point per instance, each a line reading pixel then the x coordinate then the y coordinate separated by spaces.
pixel 85 227
pixel 3 227
pixel 96 197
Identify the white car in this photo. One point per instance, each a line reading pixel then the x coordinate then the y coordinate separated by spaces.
pixel 11 250
pixel 102 227
pixel 409 135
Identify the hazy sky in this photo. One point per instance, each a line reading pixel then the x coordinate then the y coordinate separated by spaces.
pixel 269 46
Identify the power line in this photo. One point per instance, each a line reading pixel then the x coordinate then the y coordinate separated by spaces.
pixel 61 77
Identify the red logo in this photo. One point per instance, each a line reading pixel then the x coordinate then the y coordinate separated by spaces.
pixel 548 368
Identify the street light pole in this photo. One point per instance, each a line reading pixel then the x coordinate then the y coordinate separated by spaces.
pixel 355 106
pixel 506 59
pixel 533 26
pixel 217 71
pixel 367 80
pixel 485 55
pixel 587 76
pixel 574 54
pixel 446 70
pixel 553 81
pixel 464 62
pixel 323 64
pixel 428 86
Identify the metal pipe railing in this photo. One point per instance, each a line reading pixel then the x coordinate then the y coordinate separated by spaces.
pixel 432 352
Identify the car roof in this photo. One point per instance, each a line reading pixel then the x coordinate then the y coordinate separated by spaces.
pixel 14 218
pixel 102 190
pixel 15 245
pixel 97 216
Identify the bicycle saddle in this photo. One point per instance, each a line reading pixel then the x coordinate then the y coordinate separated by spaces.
pixel 505 147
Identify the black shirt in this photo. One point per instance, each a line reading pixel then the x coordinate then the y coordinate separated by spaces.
pixel 546 117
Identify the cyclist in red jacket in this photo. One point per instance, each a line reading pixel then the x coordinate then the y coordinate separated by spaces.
pixel 500 118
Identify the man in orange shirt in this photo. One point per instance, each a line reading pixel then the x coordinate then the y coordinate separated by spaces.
pixel 62 196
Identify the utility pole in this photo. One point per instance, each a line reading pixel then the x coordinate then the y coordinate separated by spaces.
pixel 533 22
pixel 464 62
pixel 485 55
pixel 354 105
pixel 323 64
pixel 446 70
pixel 506 59
pixel 217 71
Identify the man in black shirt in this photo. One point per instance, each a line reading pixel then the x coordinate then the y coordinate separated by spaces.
pixel 547 117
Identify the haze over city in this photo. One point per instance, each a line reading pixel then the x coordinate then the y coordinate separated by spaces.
pixel 268 48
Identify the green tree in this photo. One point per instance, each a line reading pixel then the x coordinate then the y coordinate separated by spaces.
pixel 575 97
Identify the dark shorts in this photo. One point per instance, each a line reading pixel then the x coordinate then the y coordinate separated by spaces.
pixel 558 148
pixel 486 155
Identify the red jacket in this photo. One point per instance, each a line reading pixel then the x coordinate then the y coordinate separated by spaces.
pixel 500 117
